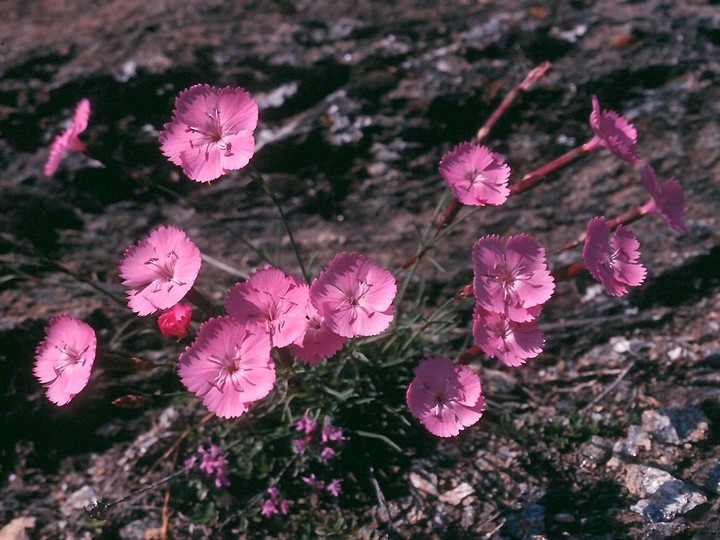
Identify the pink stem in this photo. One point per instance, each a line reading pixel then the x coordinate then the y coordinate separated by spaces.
pixel 538 175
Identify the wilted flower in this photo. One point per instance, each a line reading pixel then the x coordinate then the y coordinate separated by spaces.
pixel 613 262
pixel 272 300
pixel 614 132
pixel 668 199
pixel 160 270
pixel 445 397
pixel 228 366
pixel 68 139
pixel 64 359
pixel 211 132
pixel 509 341
pixel 511 276
pixel 354 296
pixel 476 175
pixel 174 321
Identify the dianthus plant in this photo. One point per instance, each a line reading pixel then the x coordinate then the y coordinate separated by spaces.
pixel 338 353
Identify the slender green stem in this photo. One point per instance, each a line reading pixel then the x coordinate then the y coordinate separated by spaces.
pixel 256 175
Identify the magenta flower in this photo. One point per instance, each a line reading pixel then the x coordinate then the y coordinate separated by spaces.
pixel 160 270
pixel 509 341
pixel 68 139
pixel 613 131
pixel 213 463
pixel 65 357
pixel 613 262
pixel 668 199
pixel 306 423
pixel 317 342
pixel 211 132
pixel 228 366
pixel 476 175
pixel 511 276
pixel 334 487
pixel 445 397
pixel 354 296
pixel 275 504
pixel 174 321
pixel 272 300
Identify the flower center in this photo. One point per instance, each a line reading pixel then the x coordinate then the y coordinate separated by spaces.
pixel 212 133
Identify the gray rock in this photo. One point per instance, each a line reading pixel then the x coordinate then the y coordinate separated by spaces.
pixel 671 500
pixel 642 480
pixel 676 426
pixel 713 478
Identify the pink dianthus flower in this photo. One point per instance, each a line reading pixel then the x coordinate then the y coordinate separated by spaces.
pixel 511 276
pixel 174 321
pixel 211 132
pixel 65 357
pixel 613 261
pixel 272 300
pixel 68 139
pixel 445 397
pixel 476 175
pixel 354 296
pixel 613 131
pixel 228 366
pixel 668 199
pixel 317 342
pixel 160 270
pixel 509 341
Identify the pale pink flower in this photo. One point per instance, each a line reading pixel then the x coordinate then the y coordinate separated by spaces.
pixel 668 199
pixel 613 261
pixel 272 300
pixel 511 276
pixel 613 131
pixel 317 342
pixel 228 366
pixel 160 270
pixel 269 508
pixel 327 453
pixel 509 341
pixel 68 139
pixel 445 397
pixel 331 432
pixel 211 132
pixel 65 357
pixel 476 175
pixel 313 482
pixel 174 321
pixel 354 296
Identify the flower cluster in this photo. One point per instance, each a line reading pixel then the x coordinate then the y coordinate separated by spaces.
pixel 317 441
pixel 211 461
pixel 275 504
pixel 511 284
pixel 229 365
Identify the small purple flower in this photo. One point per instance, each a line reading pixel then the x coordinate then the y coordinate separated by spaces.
pixel 327 454
pixel 331 433
pixel 212 462
pixel 334 487
pixel 306 424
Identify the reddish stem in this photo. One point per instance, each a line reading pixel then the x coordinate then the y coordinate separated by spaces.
pixel 533 178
